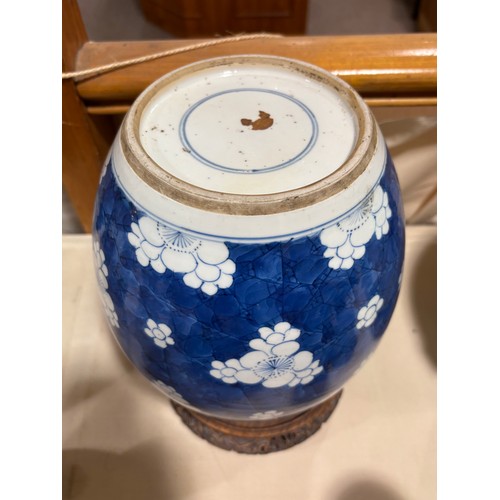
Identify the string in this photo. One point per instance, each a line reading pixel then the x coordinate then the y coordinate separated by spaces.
pixel 120 64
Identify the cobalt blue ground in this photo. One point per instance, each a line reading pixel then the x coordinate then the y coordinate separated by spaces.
pixel 282 281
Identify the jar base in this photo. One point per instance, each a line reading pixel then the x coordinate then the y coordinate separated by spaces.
pixel 259 437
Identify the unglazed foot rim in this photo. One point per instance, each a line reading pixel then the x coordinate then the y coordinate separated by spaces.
pixel 167 184
pixel 259 437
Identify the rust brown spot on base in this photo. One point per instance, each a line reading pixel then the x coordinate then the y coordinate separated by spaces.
pixel 262 123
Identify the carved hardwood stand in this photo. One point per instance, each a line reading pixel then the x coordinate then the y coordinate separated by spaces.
pixel 258 437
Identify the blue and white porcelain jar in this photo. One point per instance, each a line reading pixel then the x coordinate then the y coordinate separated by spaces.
pixel 249 236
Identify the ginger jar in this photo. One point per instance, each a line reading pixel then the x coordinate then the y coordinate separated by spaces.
pixel 248 236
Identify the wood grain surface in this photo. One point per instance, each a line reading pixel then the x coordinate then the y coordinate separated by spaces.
pixel 387 66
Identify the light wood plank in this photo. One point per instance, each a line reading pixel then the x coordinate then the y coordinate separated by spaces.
pixel 389 66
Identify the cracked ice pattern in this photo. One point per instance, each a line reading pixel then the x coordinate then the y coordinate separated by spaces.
pixel 272 283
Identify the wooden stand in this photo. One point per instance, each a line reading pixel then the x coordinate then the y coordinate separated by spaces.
pixel 258 437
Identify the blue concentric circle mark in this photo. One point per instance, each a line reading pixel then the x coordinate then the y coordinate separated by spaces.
pixel 189 147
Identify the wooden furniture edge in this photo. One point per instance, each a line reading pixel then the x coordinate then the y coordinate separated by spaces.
pixel 378 66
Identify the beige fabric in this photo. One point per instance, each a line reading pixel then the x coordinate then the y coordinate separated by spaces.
pixel 122 440
pixel 412 142
pixel 70 221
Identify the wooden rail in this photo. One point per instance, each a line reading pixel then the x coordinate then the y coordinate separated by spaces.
pixel 377 66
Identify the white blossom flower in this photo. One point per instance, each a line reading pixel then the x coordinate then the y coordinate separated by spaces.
pixel 101 268
pixel 274 361
pixel 205 264
pixel 170 392
pixel 226 371
pixel 109 308
pixel 102 275
pixel 214 269
pixel 368 313
pixel 381 211
pixel 347 238
pixel 160 333
pixel 266 415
